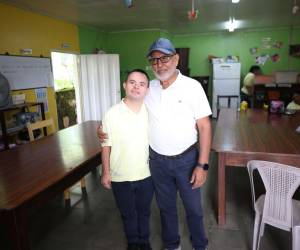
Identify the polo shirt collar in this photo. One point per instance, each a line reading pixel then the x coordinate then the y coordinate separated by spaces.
pixel 125 108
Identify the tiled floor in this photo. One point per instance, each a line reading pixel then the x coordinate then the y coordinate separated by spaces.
pixel 93 222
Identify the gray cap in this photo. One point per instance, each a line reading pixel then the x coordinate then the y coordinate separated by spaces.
pixel 163 45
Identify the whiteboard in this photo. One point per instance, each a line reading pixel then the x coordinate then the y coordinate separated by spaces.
pixel 24 72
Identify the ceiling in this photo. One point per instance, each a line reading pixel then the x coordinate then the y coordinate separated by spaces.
pixel 170 15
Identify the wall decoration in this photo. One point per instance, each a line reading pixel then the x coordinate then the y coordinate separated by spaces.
pixel 266 43
pixel 41 96
pixel 277 44
pixel 261 60
pixel 193 14
pixel 253 50
pixel 275 58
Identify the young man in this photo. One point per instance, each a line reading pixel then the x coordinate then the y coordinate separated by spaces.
pixel 125 155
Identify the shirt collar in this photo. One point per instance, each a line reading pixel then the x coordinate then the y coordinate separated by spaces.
pixel 124 107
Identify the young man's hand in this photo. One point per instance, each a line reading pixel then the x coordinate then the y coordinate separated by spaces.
pixel 101 135
pixel 106 180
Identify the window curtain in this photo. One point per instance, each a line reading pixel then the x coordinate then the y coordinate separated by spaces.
pixel 98 85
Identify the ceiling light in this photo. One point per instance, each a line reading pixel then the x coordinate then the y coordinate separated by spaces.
pixel 128 3
pixel 235 1
pixel 295 8
pixel 232 25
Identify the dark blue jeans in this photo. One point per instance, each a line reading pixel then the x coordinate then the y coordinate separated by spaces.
pixel 170 176
pixel 134 199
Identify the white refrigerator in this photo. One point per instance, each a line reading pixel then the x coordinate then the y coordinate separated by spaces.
pixel 226 81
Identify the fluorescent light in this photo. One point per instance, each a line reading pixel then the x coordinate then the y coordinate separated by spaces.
pixel 235 1
pixel 232 25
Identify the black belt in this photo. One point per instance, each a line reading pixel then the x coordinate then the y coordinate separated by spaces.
pixel 190 148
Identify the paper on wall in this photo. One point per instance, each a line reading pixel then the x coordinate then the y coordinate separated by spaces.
pixel 41 96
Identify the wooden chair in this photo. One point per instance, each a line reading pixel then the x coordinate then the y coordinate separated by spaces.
pixel 66 122
pixel 38 125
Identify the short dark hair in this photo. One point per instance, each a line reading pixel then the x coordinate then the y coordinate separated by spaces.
pixel 139 71
pixel 254 68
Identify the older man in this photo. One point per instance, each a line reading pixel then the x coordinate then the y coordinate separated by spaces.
pixel 178 124
pixel 178 113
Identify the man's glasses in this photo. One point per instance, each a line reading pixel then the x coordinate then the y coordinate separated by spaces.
pixel 162 59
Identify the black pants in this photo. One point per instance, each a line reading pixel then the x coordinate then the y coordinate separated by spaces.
pixel 246 98
pixel 134 199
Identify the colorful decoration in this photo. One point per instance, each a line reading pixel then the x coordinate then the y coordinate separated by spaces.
pixel 277 44
pixel 275 58
pixel 266 43
pixel 261 60
pixel 253 50
pixel 193 14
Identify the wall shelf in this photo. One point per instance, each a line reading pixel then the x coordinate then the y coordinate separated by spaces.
pixel 8 131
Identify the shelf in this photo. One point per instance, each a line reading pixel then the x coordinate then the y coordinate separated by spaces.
pixel 9 131
pixel 13 130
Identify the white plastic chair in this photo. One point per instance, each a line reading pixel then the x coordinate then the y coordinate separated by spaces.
pixel 276 207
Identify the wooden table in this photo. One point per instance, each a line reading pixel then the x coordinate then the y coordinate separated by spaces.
pixel 35 172
pixel 253 134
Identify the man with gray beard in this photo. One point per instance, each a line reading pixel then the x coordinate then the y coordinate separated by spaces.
pixel 178 119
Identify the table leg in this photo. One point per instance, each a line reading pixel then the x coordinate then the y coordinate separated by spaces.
pixel 221 189
pixel 4 132
pixel 17 229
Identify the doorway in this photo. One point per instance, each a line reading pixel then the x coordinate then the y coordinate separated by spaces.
pixel 65 73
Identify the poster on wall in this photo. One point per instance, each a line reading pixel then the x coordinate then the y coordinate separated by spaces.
pixel 277 45
pixel 275 58
pixel 41 96
pixel 266 43
pixel 261 60
pixel 253 50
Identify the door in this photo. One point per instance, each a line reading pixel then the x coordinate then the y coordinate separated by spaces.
pixel 65 74
pixel 86 85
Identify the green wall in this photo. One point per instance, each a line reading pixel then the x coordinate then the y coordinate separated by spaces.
pixel 132 47
pixel 238 44
pixel 90 39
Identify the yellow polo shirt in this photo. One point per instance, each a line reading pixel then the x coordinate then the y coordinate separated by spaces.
pixel 128 138
pixel 249 81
